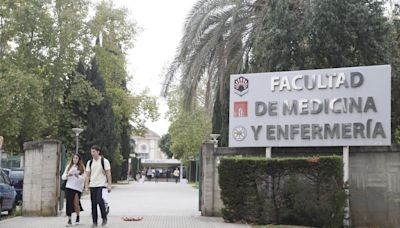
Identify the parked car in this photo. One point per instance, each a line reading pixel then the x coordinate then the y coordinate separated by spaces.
pixel 7 193
pixel 6 171
pixel 17 180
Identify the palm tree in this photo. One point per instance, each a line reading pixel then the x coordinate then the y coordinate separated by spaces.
pixel 217 40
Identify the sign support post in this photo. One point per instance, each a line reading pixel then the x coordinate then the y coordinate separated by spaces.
pixel 268 152
pixel 346 220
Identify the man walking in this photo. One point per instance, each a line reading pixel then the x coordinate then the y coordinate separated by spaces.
pixel 176 175
pixel 98 171
pixel 157 175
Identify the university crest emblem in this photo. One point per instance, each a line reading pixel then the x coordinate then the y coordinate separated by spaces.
pixel 241 86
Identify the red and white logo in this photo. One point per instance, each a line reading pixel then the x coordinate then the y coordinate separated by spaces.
pixel 240 109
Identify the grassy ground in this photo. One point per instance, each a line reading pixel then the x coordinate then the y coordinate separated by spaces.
pixel 195 185
pixel 17 212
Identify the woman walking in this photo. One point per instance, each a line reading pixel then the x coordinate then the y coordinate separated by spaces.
pixel 75 175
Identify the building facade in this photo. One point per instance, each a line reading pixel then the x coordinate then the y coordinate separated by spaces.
pixel 146 147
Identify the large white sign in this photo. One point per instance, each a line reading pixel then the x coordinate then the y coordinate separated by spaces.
pixel 324 107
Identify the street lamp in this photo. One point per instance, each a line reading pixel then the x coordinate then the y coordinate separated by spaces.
pixel 1 149
pixel 215 139
pixel 77 131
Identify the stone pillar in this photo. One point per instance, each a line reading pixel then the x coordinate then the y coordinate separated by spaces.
pixel 217 201
pixel 208 176
pixel 41 178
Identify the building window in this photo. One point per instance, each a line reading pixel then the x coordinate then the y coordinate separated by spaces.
pixel 143 148
pixel 143 156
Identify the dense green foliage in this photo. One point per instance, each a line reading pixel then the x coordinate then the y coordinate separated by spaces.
pixel 296 191
pixel 101 129
pixel 22 111
pixel 188 129
pixel 114 35
pixel 135 168
pixel 49 85
pixel 165 145
pixel 395 63
pixel 321 34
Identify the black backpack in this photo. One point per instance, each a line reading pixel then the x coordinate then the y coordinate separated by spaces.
pixel 102 163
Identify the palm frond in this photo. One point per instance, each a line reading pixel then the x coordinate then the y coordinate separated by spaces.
pixel 218 37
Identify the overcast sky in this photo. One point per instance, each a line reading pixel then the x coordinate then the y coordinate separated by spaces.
pixel 162 24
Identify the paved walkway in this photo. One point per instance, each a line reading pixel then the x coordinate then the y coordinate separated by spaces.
pixel 166 205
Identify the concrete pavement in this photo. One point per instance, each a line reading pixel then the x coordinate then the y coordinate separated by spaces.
pixel 166 205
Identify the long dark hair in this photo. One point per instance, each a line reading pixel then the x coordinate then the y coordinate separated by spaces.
pixel 81 167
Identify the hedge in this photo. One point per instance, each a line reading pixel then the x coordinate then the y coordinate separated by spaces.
pixel 292 191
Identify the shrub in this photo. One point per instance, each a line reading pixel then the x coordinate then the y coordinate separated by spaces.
pixel 295 191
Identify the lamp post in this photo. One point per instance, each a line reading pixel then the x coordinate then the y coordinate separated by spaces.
pixel 131 169
pixel 77 131
pixel 215 139
pixel 1 148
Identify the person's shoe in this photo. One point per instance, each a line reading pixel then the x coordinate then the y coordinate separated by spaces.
pixel 94 224
pixel 104 222
pixel 77 220
pixel 69 223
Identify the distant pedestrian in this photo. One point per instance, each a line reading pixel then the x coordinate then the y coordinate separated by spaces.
pixel 176 175
pixel 149 174
pixel 74 174
pixel 142 176
pixel 157 175
pixel 98 171
pixel 168 174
